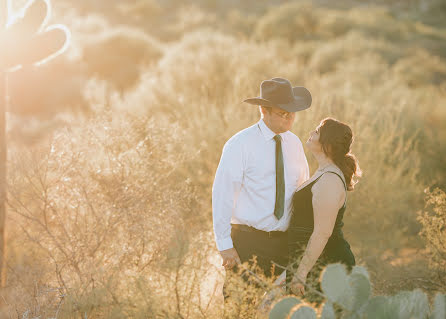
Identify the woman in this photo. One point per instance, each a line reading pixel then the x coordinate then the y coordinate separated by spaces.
pixel 315 230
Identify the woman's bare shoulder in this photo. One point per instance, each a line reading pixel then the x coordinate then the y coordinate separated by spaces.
pixel 331 182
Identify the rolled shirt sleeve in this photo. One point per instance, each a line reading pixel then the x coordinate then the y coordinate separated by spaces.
pixel 226 188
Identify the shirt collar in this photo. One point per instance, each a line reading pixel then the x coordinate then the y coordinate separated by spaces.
pixel 267 133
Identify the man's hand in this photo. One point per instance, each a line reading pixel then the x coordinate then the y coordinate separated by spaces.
pixel 230 258
pixel 298 285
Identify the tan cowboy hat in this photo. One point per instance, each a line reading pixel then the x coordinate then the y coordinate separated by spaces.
pixel 278 92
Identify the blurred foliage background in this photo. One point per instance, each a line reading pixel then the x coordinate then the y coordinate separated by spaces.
pixel 114 145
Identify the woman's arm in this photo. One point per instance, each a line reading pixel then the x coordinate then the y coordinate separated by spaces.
pixel 328 198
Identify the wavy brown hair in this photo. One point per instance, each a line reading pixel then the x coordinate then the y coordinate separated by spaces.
pixel 336 139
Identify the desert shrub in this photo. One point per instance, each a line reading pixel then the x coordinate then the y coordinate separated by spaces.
pixel 190 18
pixel 102 209
pixel 431 12
pixel 381 22
pixel 118 11
pixel 246 288
pixel 434 133
pixel 291 21
pixel 304 20
pixel 39 83
pixel 421 69
pixel 201 83
pixel 118 55
pixel 330 54
pixel 433 228
pixel 239 23
pixel 138 10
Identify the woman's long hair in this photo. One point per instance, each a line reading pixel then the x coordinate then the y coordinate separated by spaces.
pixel 336 139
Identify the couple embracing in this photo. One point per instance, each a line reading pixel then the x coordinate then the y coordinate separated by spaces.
pixel 264 201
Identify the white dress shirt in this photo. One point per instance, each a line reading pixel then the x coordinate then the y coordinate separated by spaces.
pixel 244 190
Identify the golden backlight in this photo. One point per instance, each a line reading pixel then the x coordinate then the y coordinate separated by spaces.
pixel 25 36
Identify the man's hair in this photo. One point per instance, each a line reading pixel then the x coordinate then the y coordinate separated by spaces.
pixel 266 108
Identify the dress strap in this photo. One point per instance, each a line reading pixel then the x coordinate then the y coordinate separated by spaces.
pixel 342 179
pixel 343 182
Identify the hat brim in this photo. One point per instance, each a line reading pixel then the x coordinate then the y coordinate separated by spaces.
pixel 302 101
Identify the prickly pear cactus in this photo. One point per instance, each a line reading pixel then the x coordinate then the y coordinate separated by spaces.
pixel 411 304
pixel 328 311
pixel 283 307
pixel 349 291
pixel 439 308
pixel 303 311
pixel 406 304
pixel 377 308
pixel 352 293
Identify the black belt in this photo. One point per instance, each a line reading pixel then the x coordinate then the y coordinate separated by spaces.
pixel 269 234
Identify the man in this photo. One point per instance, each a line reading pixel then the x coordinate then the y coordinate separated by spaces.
pixel 260 168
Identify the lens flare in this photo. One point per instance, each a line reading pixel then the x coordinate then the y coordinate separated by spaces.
pixel 26 37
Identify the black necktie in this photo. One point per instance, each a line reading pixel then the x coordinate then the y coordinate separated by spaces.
pixel 280 181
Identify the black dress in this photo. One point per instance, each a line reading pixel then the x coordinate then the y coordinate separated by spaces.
pixel 301 227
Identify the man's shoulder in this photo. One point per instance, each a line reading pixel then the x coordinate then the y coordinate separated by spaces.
pixel 293 138
pixel 244 136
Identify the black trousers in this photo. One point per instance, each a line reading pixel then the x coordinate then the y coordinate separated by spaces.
pixel 268 247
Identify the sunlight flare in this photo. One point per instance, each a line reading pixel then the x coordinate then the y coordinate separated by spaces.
pixel 26 37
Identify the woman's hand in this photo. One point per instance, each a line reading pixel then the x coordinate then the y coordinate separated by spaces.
pixel 298 285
